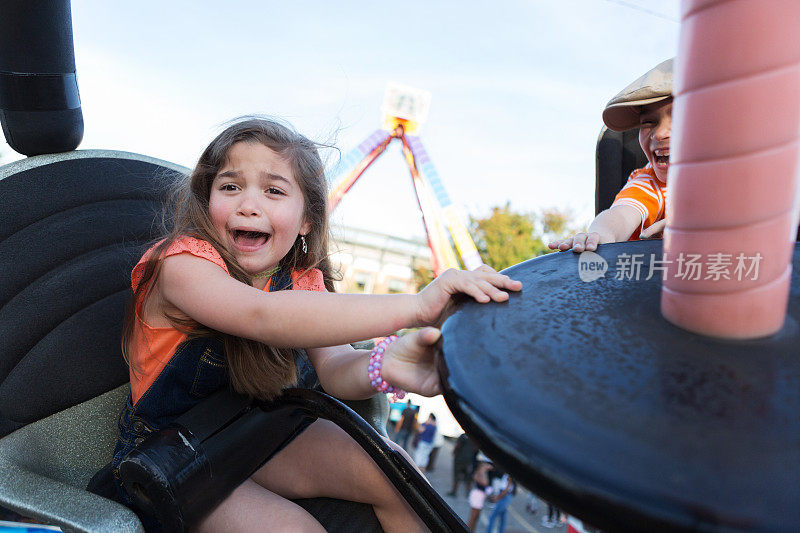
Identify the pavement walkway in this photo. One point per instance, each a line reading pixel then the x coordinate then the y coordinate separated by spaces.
pixel 518 518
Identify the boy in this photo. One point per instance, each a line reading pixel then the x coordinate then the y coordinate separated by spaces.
pixel 638 209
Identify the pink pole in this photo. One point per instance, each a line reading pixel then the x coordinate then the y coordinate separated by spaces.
pixel 733 181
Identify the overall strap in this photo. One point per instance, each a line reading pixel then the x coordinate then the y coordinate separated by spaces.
pixel 281 280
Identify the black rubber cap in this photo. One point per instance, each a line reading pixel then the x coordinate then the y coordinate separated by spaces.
pixel 43 132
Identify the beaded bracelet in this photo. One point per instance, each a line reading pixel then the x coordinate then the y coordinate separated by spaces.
pixel 374 369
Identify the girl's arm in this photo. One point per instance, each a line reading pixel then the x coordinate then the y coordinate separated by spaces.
pixel 206 293
pixel 502 494
pixel 408 364
pixel 612 225
pixel 342 371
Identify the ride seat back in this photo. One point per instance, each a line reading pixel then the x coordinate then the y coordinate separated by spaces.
pixel 72 226
pixel 616 156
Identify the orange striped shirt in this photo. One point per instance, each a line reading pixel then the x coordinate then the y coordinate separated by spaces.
pixel 153 347
pixel 645 193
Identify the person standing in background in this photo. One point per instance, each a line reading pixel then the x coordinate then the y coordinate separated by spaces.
pixel 438 442
pixel 481 488
pixel 427 432
pixel 504 489
pixel 407 425
pixel 395 412
pixel 464 453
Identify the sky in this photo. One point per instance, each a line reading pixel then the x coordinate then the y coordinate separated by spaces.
pixel 517 87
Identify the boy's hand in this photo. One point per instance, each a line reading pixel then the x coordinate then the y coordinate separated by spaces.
pixel 484 284
pixel 408 362
pixel 655 229
pixel 580 242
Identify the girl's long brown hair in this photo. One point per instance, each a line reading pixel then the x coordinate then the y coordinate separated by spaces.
pixel 255 369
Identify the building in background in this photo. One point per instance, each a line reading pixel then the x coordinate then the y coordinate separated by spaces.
pixel 376 263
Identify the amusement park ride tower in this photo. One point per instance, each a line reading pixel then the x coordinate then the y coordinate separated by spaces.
pixel 404 111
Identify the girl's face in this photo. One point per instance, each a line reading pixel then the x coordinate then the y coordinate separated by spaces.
pixel 655 129
pixel 256 206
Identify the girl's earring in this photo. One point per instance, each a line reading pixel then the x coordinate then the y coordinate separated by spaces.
pixel 303 241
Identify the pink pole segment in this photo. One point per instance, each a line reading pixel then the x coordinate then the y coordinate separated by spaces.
pixel 733 181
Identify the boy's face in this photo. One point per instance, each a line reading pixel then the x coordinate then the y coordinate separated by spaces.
pixel 655 124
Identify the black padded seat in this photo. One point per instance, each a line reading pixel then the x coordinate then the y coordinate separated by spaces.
pixel 71 228
pixel 72 225
pixel 617 155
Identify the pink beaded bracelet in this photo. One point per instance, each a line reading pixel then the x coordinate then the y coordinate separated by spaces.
pixel 374 369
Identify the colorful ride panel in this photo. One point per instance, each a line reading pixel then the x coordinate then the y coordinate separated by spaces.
pixel 439 215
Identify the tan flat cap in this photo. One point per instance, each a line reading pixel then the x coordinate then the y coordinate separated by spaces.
pixel 622 111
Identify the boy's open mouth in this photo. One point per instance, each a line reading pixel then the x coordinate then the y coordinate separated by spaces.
pixel 661 157
pixel 249 237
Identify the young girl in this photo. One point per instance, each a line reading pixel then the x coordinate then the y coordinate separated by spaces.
pixel 481 489
pixel 208 311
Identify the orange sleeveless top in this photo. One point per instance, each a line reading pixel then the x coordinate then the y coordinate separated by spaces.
pixel 152 347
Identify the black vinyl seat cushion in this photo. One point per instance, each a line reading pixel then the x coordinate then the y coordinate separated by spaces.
pixel 70 231
pixel 617 155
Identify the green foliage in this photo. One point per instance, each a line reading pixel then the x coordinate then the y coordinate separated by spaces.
pixel 422 276
pixel 506 237
pixel 555 223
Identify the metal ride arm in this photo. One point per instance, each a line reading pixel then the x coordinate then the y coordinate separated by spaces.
pixel 466 248
pixel 372 151
pixel 439 214
pixel 417 491
pixel 183 471
pixel 443 255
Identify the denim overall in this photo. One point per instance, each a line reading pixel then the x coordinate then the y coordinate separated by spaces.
pixel 196 370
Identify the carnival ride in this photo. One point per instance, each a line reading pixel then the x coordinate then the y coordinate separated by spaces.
pixel 637 425
pixel 405 109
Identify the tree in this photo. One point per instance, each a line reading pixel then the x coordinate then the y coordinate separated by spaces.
pixel 506 237
pixel 422 276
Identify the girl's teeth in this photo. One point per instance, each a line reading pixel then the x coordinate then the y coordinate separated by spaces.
pixel 250 238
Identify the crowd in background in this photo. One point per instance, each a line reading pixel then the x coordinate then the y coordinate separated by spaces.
pixel 483 483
